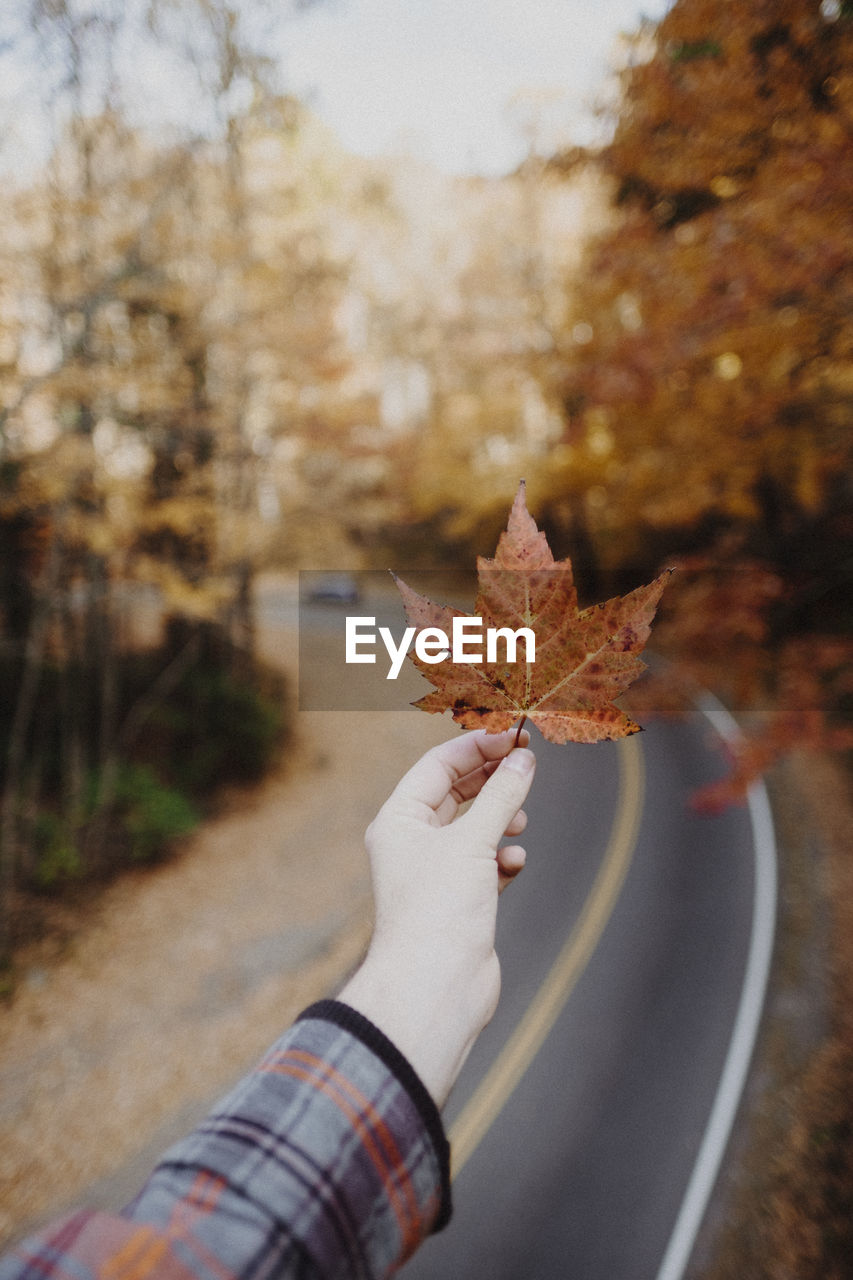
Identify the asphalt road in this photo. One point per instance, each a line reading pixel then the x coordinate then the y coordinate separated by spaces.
pixel 578 1118
pixel 625 949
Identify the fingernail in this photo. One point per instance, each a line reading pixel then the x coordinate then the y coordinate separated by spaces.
pixel 520 759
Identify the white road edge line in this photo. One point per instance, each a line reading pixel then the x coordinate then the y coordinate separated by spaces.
pixel 745 1030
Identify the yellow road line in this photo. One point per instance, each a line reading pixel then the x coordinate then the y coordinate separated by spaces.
pixel 494 1089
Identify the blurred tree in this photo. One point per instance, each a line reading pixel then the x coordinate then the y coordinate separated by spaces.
pixel 124 254
pixel 482 316
pixel 709 377
pixel 708 385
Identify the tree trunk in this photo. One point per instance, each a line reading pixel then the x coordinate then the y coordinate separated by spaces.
pixel 34 651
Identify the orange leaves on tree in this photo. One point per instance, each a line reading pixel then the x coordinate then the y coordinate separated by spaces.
pixel 583 658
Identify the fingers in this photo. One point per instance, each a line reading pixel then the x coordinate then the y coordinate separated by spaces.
pixel 470 784
pixel 511 861
pixel 517 824
pixel 499 801
pixel 459 767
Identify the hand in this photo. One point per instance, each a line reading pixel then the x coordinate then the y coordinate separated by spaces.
pixel 431 978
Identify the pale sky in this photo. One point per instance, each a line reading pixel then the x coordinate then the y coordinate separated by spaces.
pixel 436 76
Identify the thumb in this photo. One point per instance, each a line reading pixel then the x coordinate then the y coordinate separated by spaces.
pixel 502 796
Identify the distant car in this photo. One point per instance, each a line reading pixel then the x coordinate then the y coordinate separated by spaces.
pixel 340 588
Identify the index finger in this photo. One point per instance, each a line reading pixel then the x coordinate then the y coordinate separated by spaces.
pixel 459 766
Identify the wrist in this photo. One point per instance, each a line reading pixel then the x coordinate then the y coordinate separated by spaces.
pixel 420 1009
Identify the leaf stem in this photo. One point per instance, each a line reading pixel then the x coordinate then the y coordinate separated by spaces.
pixel 518 735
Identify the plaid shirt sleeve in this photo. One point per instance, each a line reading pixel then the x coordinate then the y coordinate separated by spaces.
pixel 328 1160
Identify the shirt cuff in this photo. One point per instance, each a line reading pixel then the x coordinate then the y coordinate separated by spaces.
pixel 349 1019
pixel 329 1159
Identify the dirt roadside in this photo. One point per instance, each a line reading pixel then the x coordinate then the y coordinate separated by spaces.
pixel 185 973
pixel 781 1208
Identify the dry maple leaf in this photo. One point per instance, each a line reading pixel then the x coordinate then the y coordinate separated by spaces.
pixel 584 659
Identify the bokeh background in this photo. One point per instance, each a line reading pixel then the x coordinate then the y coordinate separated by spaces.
pixel 232 346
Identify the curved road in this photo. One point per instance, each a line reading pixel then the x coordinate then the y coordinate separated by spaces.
pixel 578 1119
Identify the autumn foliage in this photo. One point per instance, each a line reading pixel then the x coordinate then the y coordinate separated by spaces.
pixel 707 373
pixel 708 395
pixel 230 344
pixel 712 333
pixel 583 659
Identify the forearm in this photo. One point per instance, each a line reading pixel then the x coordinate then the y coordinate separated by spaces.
pixel 327 1160
pixel 329 1143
